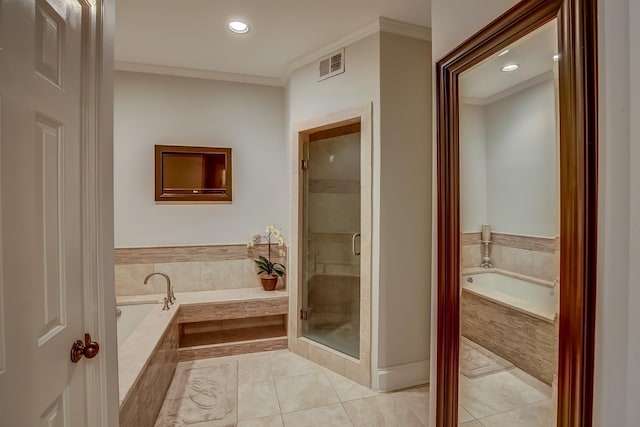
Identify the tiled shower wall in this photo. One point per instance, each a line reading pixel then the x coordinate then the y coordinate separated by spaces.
pixel 334 300
pixel 333 205
pixel 537 257
pixel 191 268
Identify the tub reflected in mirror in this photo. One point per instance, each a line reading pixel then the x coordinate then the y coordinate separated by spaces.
pixel 509 179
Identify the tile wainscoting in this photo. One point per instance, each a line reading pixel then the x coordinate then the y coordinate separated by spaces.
pixel 537 257
pixel 191 268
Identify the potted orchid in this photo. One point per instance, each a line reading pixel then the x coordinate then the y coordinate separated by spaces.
pixel 269 271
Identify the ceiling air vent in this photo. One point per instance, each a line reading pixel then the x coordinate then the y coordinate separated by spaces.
pixel 331 65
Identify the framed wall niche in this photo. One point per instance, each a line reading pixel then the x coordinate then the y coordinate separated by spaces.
pixel 185 174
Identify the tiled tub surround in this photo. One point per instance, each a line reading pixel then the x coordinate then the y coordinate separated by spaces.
pixel 191 268
pixel 130 317
pixel 142 396
pixel 148 357
pixel 534 297
pixel 537 257
pixel 529 340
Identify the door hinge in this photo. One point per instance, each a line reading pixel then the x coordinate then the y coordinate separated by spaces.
pixel 304 164
pixel 303 314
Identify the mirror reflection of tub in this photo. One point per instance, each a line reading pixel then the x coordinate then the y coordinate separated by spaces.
pixel 536 298
pixel 514 318
pixel 509 221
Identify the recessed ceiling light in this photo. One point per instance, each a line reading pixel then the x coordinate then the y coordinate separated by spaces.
pixel 239 27
pixel 504 52
pixel 510 67
pixel 556 57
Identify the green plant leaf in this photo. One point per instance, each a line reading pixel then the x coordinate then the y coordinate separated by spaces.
pixel 263 266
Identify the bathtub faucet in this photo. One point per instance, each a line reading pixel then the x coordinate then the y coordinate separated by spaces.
pixel 171 297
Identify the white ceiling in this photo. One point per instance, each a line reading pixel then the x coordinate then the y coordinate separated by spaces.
pixel 193 34
pixel 533 53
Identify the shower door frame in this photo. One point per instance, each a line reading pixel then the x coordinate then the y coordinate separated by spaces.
pixel 358 370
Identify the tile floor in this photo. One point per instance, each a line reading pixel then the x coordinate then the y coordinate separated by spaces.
pixel 279 389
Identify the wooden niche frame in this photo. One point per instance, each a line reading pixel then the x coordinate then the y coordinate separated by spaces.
pixel 224 195
pixel 577 34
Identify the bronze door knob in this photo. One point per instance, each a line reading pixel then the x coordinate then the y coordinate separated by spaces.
pixel 88 349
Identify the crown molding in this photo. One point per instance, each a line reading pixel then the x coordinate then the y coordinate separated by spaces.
pixel 509 91
pixel 308 58
pixel 405 29
pixel 381 24
pixel 196 73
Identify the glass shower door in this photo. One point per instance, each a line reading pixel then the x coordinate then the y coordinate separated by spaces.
pixel 331 241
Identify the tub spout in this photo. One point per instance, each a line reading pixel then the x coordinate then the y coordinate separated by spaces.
pixel 170 299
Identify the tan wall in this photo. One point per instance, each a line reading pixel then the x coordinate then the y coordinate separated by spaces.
pixel 191 268
pixel 536 257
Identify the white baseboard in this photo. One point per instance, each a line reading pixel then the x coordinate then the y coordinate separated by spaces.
pixel 403 376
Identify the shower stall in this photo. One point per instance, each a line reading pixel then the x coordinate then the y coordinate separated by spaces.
pixel 331 239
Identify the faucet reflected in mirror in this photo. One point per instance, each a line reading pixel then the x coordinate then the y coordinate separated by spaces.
pixel 171 296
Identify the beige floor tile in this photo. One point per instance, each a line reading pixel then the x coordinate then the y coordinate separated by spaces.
pixel 383 410
pixel 419 406
pixel 463 415
pixel 416 399
pixel 257 400
pixel 421 391
pixel 347 389
pixel 533 382
pixel 254 369
pixel 305 392
pixel 289 364
pixel 472 424
pixel 325 416
pixel 496 393
pixel 538 414
pixel 271 421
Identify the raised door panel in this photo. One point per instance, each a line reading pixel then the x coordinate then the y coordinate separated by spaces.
pixel 43 66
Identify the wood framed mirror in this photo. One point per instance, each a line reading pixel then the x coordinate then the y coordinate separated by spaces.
pixel 576 104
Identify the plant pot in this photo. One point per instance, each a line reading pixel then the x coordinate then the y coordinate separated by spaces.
pixel 269 282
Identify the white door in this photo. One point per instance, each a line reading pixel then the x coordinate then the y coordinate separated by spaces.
pixel 45 65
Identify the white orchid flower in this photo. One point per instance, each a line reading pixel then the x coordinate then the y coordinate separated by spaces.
pixel 276 233
pixel 250 244
pixel 269 229
pixel 281 252
pixel 280 241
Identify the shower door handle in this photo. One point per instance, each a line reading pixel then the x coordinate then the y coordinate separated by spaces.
pixel 353 244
